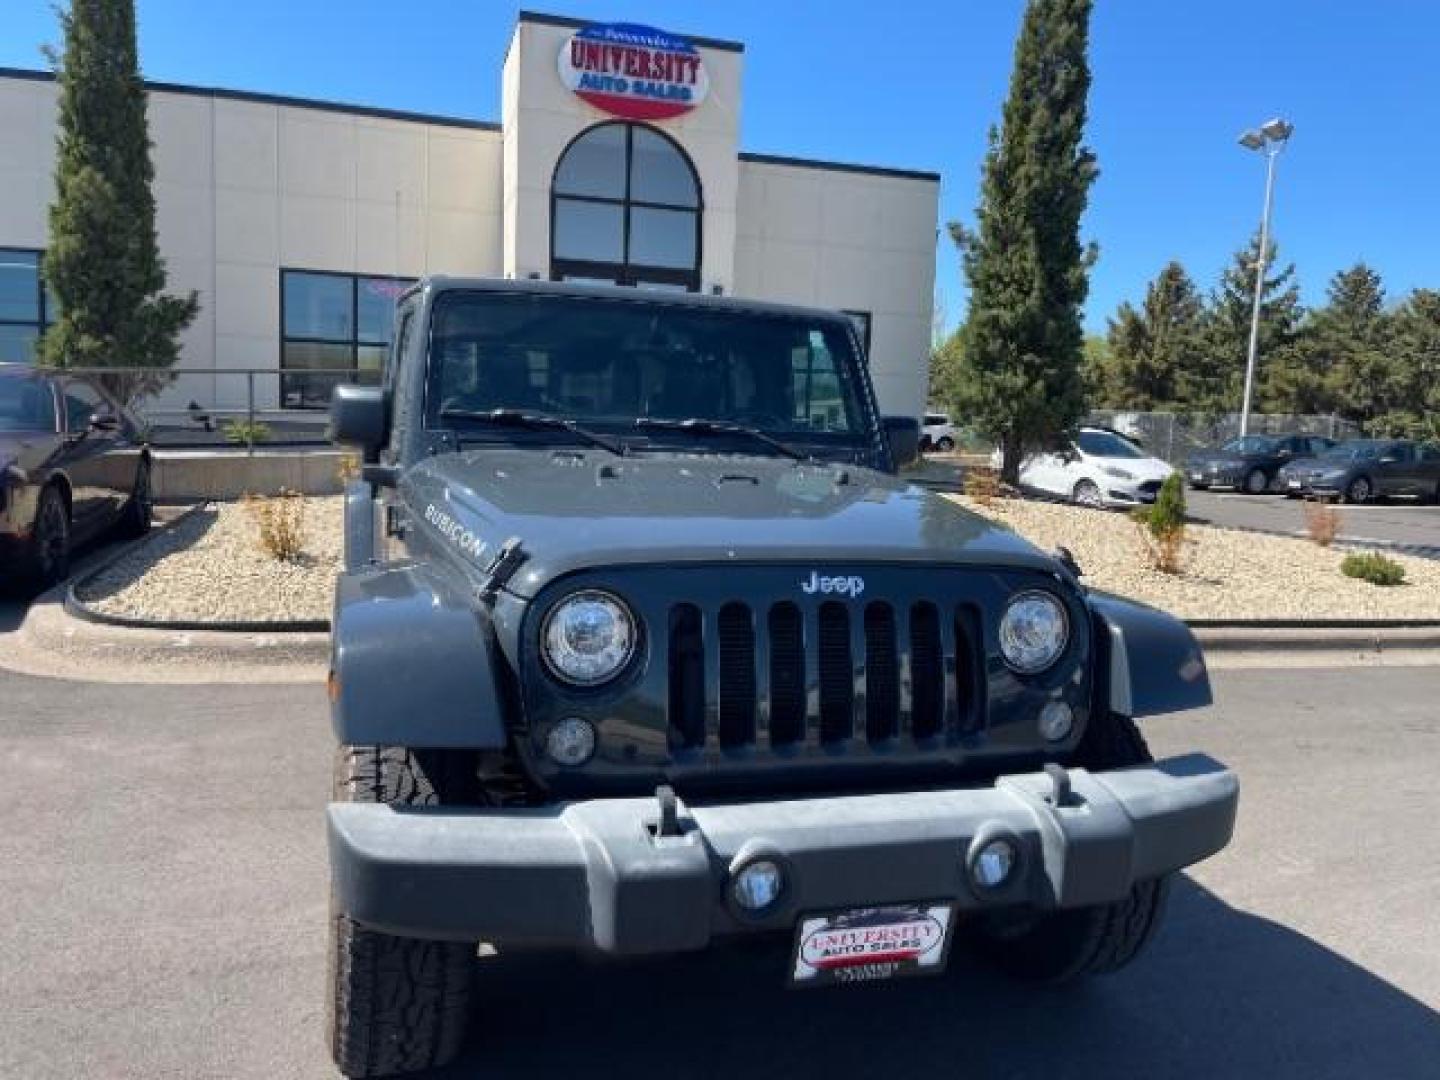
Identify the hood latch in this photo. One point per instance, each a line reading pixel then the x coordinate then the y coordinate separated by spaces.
pixel 502 568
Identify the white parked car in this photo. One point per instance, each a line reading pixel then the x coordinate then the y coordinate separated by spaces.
pixel 937 433
pixel 1102 469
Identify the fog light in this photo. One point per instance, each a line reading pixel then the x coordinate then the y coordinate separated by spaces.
pixel 758 886
pixel 571 742
pixel 1056 720
pixel 993 863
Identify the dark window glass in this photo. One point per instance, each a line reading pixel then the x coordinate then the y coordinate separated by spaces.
pixel 375 307
pixel 1105 444
pixel 1400 452
pixel 26 405
pixel 626 209
pixel 609 361
pixel 19 286
pixel 333 321
pixel 81 403
pixel 662 237
pixel 1430 453
pixel 594 165
pixel 659 173
pixel 319 306
pixel 17 343
pixel 589 232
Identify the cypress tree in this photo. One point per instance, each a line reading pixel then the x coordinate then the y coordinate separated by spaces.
pixel 1349 339
pixel 1025 263
pixel 103 262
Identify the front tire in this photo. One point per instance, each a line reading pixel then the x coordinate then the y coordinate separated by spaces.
pixel 1060 946
pixel 397 1004
pixel 1256 482
pixel 945 445
pixel 1359 491
pixel 48 562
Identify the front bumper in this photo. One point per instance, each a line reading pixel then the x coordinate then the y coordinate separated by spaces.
pixel 597 875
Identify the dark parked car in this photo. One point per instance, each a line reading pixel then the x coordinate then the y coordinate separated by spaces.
pixel 642 647
pixel 1364 469
pixel 73 464
pixel 1251 462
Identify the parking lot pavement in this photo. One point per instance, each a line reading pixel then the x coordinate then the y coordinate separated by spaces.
pixel 163 865
pixel 1402 522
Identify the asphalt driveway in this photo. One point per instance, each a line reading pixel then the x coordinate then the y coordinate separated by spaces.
pixel 1409 523
pixel 164 873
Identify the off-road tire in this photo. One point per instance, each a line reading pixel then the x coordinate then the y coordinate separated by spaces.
pixel 1076 942
pixel 396 1004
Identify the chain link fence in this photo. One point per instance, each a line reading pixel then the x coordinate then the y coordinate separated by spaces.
pixel 1175 436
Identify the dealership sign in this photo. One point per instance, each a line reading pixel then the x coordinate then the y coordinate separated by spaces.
pixel 635 72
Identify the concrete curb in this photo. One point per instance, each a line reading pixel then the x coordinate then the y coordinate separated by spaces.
pixel 1338 638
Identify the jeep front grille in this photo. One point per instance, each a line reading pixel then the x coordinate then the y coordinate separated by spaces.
pixel 786 675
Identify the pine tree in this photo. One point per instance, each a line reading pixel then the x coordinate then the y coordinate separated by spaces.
pixel 103 262
pixel 1409 388
pixel 1026 267
pixel 1349 340
pixel 1151 349
pixel 1216 383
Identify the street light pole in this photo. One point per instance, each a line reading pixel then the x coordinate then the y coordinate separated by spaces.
pixel 1271 138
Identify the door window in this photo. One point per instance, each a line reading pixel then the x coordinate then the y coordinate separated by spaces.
pixel 81 403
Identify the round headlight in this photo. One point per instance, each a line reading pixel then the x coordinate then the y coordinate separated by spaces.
pixel 1033 632
pixel 587 638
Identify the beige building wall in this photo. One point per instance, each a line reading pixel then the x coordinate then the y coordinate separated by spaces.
pixel 244 188
pixel 854 240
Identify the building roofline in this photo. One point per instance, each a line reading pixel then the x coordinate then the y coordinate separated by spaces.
pixel 572 23
pixel 840 166
pixel 254 97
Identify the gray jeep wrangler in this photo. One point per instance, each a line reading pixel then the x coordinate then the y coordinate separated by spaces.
pixel 641 647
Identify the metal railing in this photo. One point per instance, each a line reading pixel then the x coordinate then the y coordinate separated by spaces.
pixel 205 423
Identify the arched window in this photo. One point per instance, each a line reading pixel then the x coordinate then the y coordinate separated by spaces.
pixel 625 208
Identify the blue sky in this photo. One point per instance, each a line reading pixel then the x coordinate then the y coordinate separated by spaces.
pixel 917 84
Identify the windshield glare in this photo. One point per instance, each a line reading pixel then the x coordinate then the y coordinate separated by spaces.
pixel 26 405
pixel 1105 444
pixel 605 362
pixel 1250 444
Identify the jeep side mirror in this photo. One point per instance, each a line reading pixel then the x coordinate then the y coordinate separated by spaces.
pixel 902 433
pixel 358 418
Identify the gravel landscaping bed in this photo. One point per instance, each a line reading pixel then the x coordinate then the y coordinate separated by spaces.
pixel 211 568
pixel 1227 574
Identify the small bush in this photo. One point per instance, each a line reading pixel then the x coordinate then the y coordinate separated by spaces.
pixel 245 432
pixel 280 523
pixel 1162 526
pixel 1322 521
pixel 982 483
pixel 347 469
pixel 1373 567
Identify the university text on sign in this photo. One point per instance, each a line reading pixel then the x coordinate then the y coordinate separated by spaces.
pixel 635 72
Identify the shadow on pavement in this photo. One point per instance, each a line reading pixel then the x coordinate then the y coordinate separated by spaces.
pixel 1220 994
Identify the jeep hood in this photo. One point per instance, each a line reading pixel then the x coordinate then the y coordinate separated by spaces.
pixel 575 510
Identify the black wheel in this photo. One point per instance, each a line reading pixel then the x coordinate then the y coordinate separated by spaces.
pixel 1256 482
pixel 49 561
pixel 135 522
pixel 946 444
pixel 397 1004
pixel 1065 945
pixel 1359 490
pixel 1087 493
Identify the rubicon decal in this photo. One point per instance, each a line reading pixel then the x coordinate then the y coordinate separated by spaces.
pixel 455 532
pixel 851 586
pixel 635 72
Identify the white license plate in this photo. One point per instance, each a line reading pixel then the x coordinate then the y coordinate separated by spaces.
pixel 1294 485
pixel 1197 476
pixel 872 944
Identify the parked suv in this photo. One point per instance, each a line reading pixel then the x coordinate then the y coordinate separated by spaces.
pixel 640 647
pixel 937 433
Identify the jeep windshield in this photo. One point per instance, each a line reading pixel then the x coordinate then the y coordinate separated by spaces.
pixel 751 382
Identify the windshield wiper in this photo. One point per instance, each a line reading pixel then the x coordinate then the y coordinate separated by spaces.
pixel 697 426
pixel 533 421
